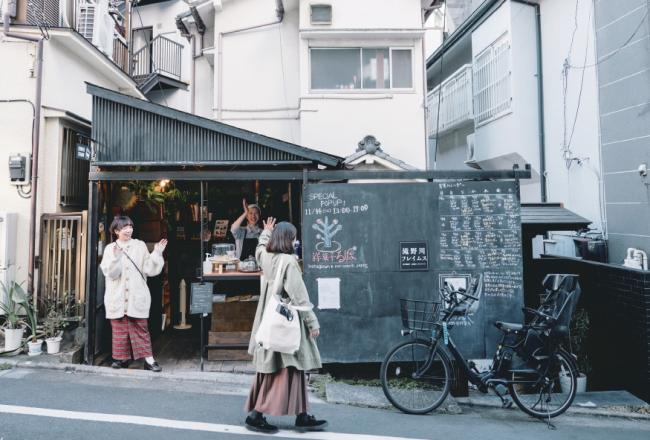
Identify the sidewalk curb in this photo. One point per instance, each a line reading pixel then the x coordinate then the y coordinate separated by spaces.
pixel 185 376
pixel 573 410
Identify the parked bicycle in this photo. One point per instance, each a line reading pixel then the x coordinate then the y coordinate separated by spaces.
pixel 528 365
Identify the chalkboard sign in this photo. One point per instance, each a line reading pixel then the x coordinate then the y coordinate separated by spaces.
pixel 479 237
pixel 360 233
pixel 413 255
pixel 201 298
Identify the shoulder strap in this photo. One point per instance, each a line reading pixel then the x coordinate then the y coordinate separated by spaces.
pixel 134 265
pixel 279 275
pixel 277 284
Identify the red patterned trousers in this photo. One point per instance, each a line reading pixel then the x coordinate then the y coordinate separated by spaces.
pixel 130 334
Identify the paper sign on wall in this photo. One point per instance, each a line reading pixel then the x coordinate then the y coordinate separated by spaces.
pixel 329 293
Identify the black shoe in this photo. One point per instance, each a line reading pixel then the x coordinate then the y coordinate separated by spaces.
pixel 306 422
pixel 152 367
pixel 120 364
pixel 259 424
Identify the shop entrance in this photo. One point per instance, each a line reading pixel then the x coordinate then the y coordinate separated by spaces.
pixel 198 218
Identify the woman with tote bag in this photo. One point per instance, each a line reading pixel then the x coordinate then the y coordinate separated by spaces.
pixel 280 386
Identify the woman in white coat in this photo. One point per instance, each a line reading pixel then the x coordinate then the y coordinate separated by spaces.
pixel 126 264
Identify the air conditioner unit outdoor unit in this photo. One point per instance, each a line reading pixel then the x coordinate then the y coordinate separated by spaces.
pixel 470 156
pixel 95 24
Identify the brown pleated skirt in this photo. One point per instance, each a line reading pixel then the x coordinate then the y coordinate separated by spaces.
pixel 283 393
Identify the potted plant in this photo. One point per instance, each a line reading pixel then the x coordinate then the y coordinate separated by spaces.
pixel 53 327
pixel 578 343
pixel 34 344
pixel 14 326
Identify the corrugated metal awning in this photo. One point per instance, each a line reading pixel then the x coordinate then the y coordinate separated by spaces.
pixel 550 217
pixel 127 131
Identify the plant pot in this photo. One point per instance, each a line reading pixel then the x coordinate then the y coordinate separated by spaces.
pixel 13 338
pixel 53 345
pixel 35 347
pixel 581 385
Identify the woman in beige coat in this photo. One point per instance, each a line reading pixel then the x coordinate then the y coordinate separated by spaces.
pixel 280 387
pixel 126 264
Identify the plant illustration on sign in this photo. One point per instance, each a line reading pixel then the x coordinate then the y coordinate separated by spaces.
pixel 326 231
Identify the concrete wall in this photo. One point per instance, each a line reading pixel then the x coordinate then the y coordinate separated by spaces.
pixel 576 186
pixel 336 121
pixel 624 85
pixel 263 81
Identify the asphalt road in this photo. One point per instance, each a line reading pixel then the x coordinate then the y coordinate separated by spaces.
pixel 41 404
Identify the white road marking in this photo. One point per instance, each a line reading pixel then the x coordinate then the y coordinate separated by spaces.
pixel 182 424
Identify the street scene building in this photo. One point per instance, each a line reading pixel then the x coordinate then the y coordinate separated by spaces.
pixel 444 165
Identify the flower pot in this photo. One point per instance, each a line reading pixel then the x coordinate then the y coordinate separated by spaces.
pixel 53 345
pixel 35 347
pixel 13 338
pixel 581 385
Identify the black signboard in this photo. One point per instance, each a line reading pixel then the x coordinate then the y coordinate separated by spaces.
pixel 413 255
pixel 201 298
pixel 471 230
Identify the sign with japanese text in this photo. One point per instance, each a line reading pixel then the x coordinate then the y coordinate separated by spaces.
pixel 413 255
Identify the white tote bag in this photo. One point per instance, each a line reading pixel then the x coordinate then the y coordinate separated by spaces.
pixel 279 329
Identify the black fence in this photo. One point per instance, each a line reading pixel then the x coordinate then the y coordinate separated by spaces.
pixel 618 301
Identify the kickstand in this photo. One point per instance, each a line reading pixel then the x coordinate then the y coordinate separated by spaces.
pixel 549 425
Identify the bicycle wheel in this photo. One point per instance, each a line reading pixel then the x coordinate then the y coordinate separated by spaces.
pixel 414 377
pixel 543 396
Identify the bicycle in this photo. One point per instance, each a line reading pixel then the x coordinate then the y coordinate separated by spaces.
pixel 529 362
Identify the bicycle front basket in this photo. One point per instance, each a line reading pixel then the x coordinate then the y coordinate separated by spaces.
pixel 419 315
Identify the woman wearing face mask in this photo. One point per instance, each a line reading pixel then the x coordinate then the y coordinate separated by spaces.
pixel 126 264
pixel 280 387
pixel 246 237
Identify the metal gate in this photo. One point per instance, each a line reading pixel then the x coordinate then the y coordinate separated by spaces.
pixel 62 275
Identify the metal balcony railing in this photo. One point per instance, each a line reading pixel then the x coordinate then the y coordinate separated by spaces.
pixel 455 105
pixel 121 54
pixel 160 56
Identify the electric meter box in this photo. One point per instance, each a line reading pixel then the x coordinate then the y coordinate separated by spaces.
pixel 19 169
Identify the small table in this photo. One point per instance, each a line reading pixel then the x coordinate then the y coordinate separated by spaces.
pixel 233 275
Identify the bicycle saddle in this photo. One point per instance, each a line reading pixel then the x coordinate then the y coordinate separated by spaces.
pixel 508 326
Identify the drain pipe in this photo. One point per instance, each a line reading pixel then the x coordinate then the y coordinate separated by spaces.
pixel 540 106
pixel 6 19
pixel 279 11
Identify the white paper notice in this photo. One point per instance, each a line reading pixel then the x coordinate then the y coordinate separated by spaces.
pixel 329 295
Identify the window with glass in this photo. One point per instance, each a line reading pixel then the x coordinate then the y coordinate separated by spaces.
pixel 379 68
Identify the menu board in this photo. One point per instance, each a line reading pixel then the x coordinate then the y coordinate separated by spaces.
pixel 479 238
pixel 386 241
pixel 201 298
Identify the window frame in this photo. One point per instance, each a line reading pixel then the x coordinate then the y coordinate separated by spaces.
pixel 311 14
pixel 68 176
pixel 361 89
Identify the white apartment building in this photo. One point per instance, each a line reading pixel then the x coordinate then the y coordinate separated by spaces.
pixel 57 131
pixel 321 74
pixel 515 83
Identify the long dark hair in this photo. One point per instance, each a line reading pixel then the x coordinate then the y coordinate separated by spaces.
pixel 282 238
pixel 120 221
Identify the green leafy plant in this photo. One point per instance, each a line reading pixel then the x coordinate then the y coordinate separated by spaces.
pixel 15 304
pixel 580 327
pixel 32 316
pixel 54 323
